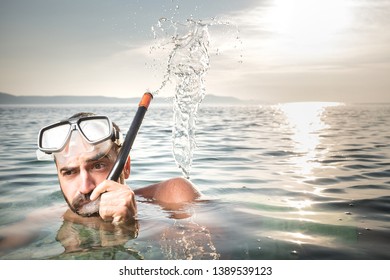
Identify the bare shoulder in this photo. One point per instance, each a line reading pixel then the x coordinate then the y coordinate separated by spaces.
pixel 175 190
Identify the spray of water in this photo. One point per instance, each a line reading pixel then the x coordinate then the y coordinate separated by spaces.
pixel 187 66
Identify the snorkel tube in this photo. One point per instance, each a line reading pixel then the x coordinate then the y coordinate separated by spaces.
pixel 130 137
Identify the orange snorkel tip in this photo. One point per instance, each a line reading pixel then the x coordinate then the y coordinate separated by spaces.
pixel 145 100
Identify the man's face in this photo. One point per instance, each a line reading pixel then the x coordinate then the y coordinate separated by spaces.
pixel 79 175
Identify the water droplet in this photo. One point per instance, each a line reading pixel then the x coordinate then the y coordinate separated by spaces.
pixel 294 252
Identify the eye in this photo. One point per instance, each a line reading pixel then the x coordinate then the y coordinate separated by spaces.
pixel 68 172
pixel 99 165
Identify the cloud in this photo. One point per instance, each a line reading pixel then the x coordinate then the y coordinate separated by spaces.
pixel 344 61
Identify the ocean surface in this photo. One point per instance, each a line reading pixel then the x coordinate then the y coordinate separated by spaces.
pixel 283 181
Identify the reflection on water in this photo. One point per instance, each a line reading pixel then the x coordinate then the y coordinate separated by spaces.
pixel 287 181
pixel 91 238
pixel 187 241
pixel 78 234
pixel 304 122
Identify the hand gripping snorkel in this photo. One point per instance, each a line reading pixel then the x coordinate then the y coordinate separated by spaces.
pixel 130 137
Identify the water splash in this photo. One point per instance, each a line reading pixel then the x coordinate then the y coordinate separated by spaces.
pixel 187 66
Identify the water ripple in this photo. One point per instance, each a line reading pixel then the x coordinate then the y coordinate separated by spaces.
pixel 285 181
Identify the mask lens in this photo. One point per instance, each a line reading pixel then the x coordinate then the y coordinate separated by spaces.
pixel 54 138
pixel 78 149
pixel 95 130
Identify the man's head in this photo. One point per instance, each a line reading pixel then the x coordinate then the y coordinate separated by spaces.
pixel 85 148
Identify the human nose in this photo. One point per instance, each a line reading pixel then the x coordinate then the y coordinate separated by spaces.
pixel 87 183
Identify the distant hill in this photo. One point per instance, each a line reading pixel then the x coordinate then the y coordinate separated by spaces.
pixel 6 98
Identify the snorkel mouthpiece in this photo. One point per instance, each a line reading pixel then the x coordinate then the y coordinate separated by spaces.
pixel 90 208
pixel 130 137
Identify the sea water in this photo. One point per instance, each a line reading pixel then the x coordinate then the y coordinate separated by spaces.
pixel 278 181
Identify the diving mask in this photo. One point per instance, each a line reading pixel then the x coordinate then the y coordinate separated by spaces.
pixel 85 135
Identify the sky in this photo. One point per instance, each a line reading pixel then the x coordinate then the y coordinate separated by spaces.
pixel 271 51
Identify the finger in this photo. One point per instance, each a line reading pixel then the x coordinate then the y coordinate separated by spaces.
pixel 119 197
pixel 105 186
pixel 118 205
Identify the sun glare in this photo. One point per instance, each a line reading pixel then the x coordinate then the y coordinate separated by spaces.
pixel 304 24
pixel 304 120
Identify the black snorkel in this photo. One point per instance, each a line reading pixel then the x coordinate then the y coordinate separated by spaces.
pixel 130 137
